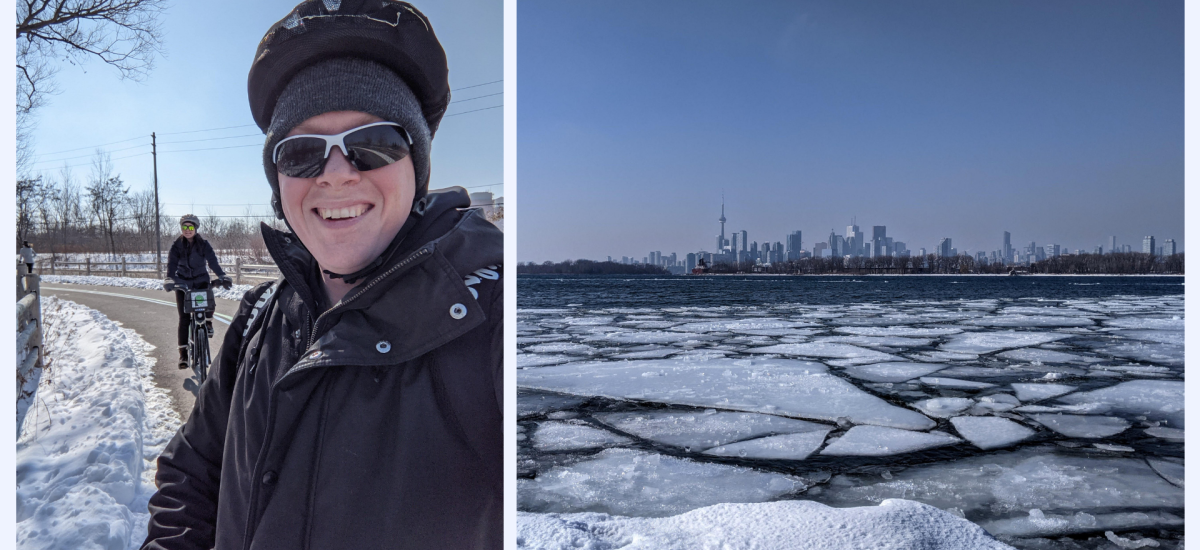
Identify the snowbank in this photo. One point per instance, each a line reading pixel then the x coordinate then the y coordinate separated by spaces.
pixel 234 293
pixel 86 452
pixel 786 525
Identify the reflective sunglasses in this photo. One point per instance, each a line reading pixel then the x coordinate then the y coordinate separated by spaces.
pixel 367 147
pixel 187 227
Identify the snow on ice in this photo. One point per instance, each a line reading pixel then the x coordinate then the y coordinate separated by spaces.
pixel 788 525
pixel 881 441
pixel 86 454
pixel 1074 425
pixel 990 432
pixel 572 436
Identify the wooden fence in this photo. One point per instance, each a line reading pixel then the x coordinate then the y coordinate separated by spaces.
pixel 242 273
pixel 29 326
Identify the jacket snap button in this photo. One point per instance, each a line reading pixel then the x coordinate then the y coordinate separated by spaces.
pixel 383 346
pixel 296 334
pixel 314 355
pixel 269 478
pixel 458 311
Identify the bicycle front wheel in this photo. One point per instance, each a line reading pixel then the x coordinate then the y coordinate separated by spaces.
pixel 200 359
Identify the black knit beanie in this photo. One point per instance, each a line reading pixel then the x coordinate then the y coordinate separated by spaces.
pixel 349 84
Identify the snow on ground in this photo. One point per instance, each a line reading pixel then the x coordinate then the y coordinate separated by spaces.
pixel 86 453
pixel 788 525
pixel 234 293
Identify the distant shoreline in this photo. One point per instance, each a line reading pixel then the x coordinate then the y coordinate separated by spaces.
pixel 875 275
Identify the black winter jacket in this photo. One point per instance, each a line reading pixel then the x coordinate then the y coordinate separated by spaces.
pixel 376 424
pixel 185 261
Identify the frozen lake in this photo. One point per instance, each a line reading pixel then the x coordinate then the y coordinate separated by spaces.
pixel 1048 410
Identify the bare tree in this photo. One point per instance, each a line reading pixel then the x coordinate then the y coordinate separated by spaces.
pixel 124 34
pixel 141 212
pixel 107 197
pixel 29 194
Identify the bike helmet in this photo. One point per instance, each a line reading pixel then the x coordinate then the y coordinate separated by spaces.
pixel 190 218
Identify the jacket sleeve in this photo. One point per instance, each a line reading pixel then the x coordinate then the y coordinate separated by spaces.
pixel 183 512
pixel 173 265
pixel 497 312
pixel 211 256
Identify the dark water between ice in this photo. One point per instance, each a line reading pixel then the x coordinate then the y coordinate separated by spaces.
pixel 1118 346
pixel 620 291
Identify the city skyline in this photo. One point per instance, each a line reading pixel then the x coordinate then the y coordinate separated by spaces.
pixel 1059 122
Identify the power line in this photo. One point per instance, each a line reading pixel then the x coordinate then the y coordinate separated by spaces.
pixel 474 98
pixel 206 130
pixel 473 111
pixel 213 148
pixel 92 154
pixel 210 139
pixel 91 146
pixel 478 85
pixel 118 158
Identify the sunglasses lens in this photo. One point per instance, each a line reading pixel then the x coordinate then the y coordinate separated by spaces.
pixel 376 147
pixel 187 227
pixel 301 157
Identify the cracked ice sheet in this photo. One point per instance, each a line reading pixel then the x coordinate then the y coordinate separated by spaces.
pixel 944 407
pixel 697 431
pixel 648 337
pixel 892 341
pixel 741 325
pixel 564 436
pixel 626 482
pixel 561 347
pixel 1016 481
pixel 892 372
pixel 987 342
pixel 990 432
pixel 881 441
pixel 954 383
pixel 784 387
pixel 900 331
pixel 1156 399
pixel 1090 427
pixel 1175 323
pixel 1035 392
pixel 845 353
pixel 791 524
pixel 1039 524
pixel 1174 337
pixel 1030 321
pixel 1149 352
pixel 797 446
pixel 533 404
pixel 534 360
pixel 1045 356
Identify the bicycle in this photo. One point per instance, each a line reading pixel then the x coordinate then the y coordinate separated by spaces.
pixel 197 304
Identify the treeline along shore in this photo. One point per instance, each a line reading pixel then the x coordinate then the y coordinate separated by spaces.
pixel 1121 263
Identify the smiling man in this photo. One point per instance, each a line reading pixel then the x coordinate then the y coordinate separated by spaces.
pixel 355 403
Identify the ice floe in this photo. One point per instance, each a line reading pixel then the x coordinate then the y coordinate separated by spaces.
pixel 893 371
pixel 1168 469
pixel 627 482
pixel 561 347
pixel 1164 432
pixel 941 382
pixel 846 353
pixel 988 342
pixel 1040 524
pixel 1030 321
pixel 1044 356
pixel 646 337
pixel 1156 399
pixel 785 387
pixel 563 436
pixel 1091 427
pixel 535 360
pixel 1037 392
pixel 944 407
pixel 794 446
pixel 697 431
pixel 990 432
pixel 881 441
pixel 900 331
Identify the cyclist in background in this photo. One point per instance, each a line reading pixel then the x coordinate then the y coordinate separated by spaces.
pixel 186 266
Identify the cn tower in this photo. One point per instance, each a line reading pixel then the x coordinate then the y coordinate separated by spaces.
pixel 721 239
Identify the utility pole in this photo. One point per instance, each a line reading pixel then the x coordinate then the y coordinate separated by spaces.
pixel 157 219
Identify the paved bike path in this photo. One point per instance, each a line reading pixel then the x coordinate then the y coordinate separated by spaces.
pixel 153 315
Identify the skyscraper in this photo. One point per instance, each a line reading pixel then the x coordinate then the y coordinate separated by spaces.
pixel 879 240
pixel 944 248
pixel 1148 245
pixel 1007 247
pixel 1168 247
pixel 794 245
pixel 855 236
pixel 1112 244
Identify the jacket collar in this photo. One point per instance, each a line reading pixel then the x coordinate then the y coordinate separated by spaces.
pixel 379 313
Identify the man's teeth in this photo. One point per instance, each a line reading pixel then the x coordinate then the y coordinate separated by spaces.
pixel 340 213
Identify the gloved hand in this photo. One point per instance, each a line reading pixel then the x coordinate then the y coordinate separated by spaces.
pixel 225 282
pixel 168 285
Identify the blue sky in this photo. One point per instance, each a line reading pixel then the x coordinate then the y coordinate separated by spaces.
pixel 1061 122
pixel 201 84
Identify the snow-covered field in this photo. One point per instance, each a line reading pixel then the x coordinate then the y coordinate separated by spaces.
pixel 87 448
pixel 234 293
pixel 1034 419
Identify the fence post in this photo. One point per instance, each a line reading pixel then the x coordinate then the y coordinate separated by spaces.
pixel 21 269
pixel 123 267
pixel 87 262
pixel 237 270
pixel 52 266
